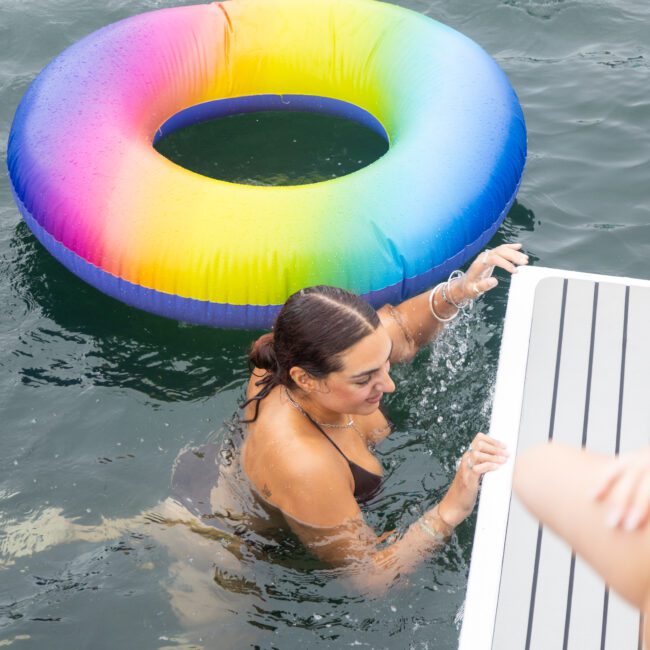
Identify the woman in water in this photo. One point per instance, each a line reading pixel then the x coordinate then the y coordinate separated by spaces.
pixel 313 411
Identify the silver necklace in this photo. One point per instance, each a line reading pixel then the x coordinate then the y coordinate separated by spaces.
pixel 292 401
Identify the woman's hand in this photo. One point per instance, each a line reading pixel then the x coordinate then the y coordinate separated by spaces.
pixel 478 278
pixel 624 487
pixel 485 454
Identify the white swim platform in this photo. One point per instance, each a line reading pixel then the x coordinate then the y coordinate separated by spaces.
pixel 573 367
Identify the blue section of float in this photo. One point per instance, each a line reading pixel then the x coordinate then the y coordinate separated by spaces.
pixel 201 312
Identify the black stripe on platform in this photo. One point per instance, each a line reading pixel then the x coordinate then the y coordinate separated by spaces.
pixel 585 427
pixel 621 389
pixel 640 645
pixel 551 428
pixel 619 421
pixel 603 627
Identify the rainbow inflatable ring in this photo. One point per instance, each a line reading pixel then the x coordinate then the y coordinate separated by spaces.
pixel 142 229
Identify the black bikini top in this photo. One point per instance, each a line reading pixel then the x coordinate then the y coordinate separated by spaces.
pixel 366 483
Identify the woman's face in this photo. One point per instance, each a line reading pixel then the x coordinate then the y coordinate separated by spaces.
pixel 359 386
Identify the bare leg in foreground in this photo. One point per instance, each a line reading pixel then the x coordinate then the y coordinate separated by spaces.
pixel 557 484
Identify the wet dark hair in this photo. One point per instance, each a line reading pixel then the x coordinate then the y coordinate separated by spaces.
pixel 314 327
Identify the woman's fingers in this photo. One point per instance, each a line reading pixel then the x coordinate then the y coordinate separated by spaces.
pixel 484 468
pixel 512 252
pixel 485 454
pixel 483 442
pixel 622 495
pixel 484 285
pixel 504 264
pixel 478 457
pixel 608 479
pixel 624 489
pixel 639 511
pixel 506 258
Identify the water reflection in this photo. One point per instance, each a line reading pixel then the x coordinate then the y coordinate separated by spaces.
pixel 520 220
pixel 242 594
pixel 274 148
pixel 544 9
pixel 80 336
pixel 240 587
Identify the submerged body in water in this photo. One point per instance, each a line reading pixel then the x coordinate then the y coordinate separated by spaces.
pixel 288 488
pixel 313 412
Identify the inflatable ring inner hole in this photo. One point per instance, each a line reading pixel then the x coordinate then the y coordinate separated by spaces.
pixel 332 138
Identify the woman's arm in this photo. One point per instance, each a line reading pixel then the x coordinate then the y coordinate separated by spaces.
pixel 411 325
pixel 321 510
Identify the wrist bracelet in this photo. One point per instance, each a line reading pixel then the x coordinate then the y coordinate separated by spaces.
pixel 433 532
pixel 453 276
pixel 442 519
pixel 433 311
pixel 438 536
pixel 445 297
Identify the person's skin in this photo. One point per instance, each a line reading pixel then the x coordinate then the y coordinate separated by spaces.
pixel 294 468
pixel 306 477
pixel 587 500
pixel 625 488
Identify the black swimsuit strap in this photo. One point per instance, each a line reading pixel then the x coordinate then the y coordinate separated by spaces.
pixel 366 483
pixel 318 426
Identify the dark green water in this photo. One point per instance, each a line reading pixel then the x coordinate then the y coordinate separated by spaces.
pixel 96 399
pixel 274 148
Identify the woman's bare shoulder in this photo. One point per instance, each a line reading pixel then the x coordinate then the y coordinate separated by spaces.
pixel 293 470
pixel 277 445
